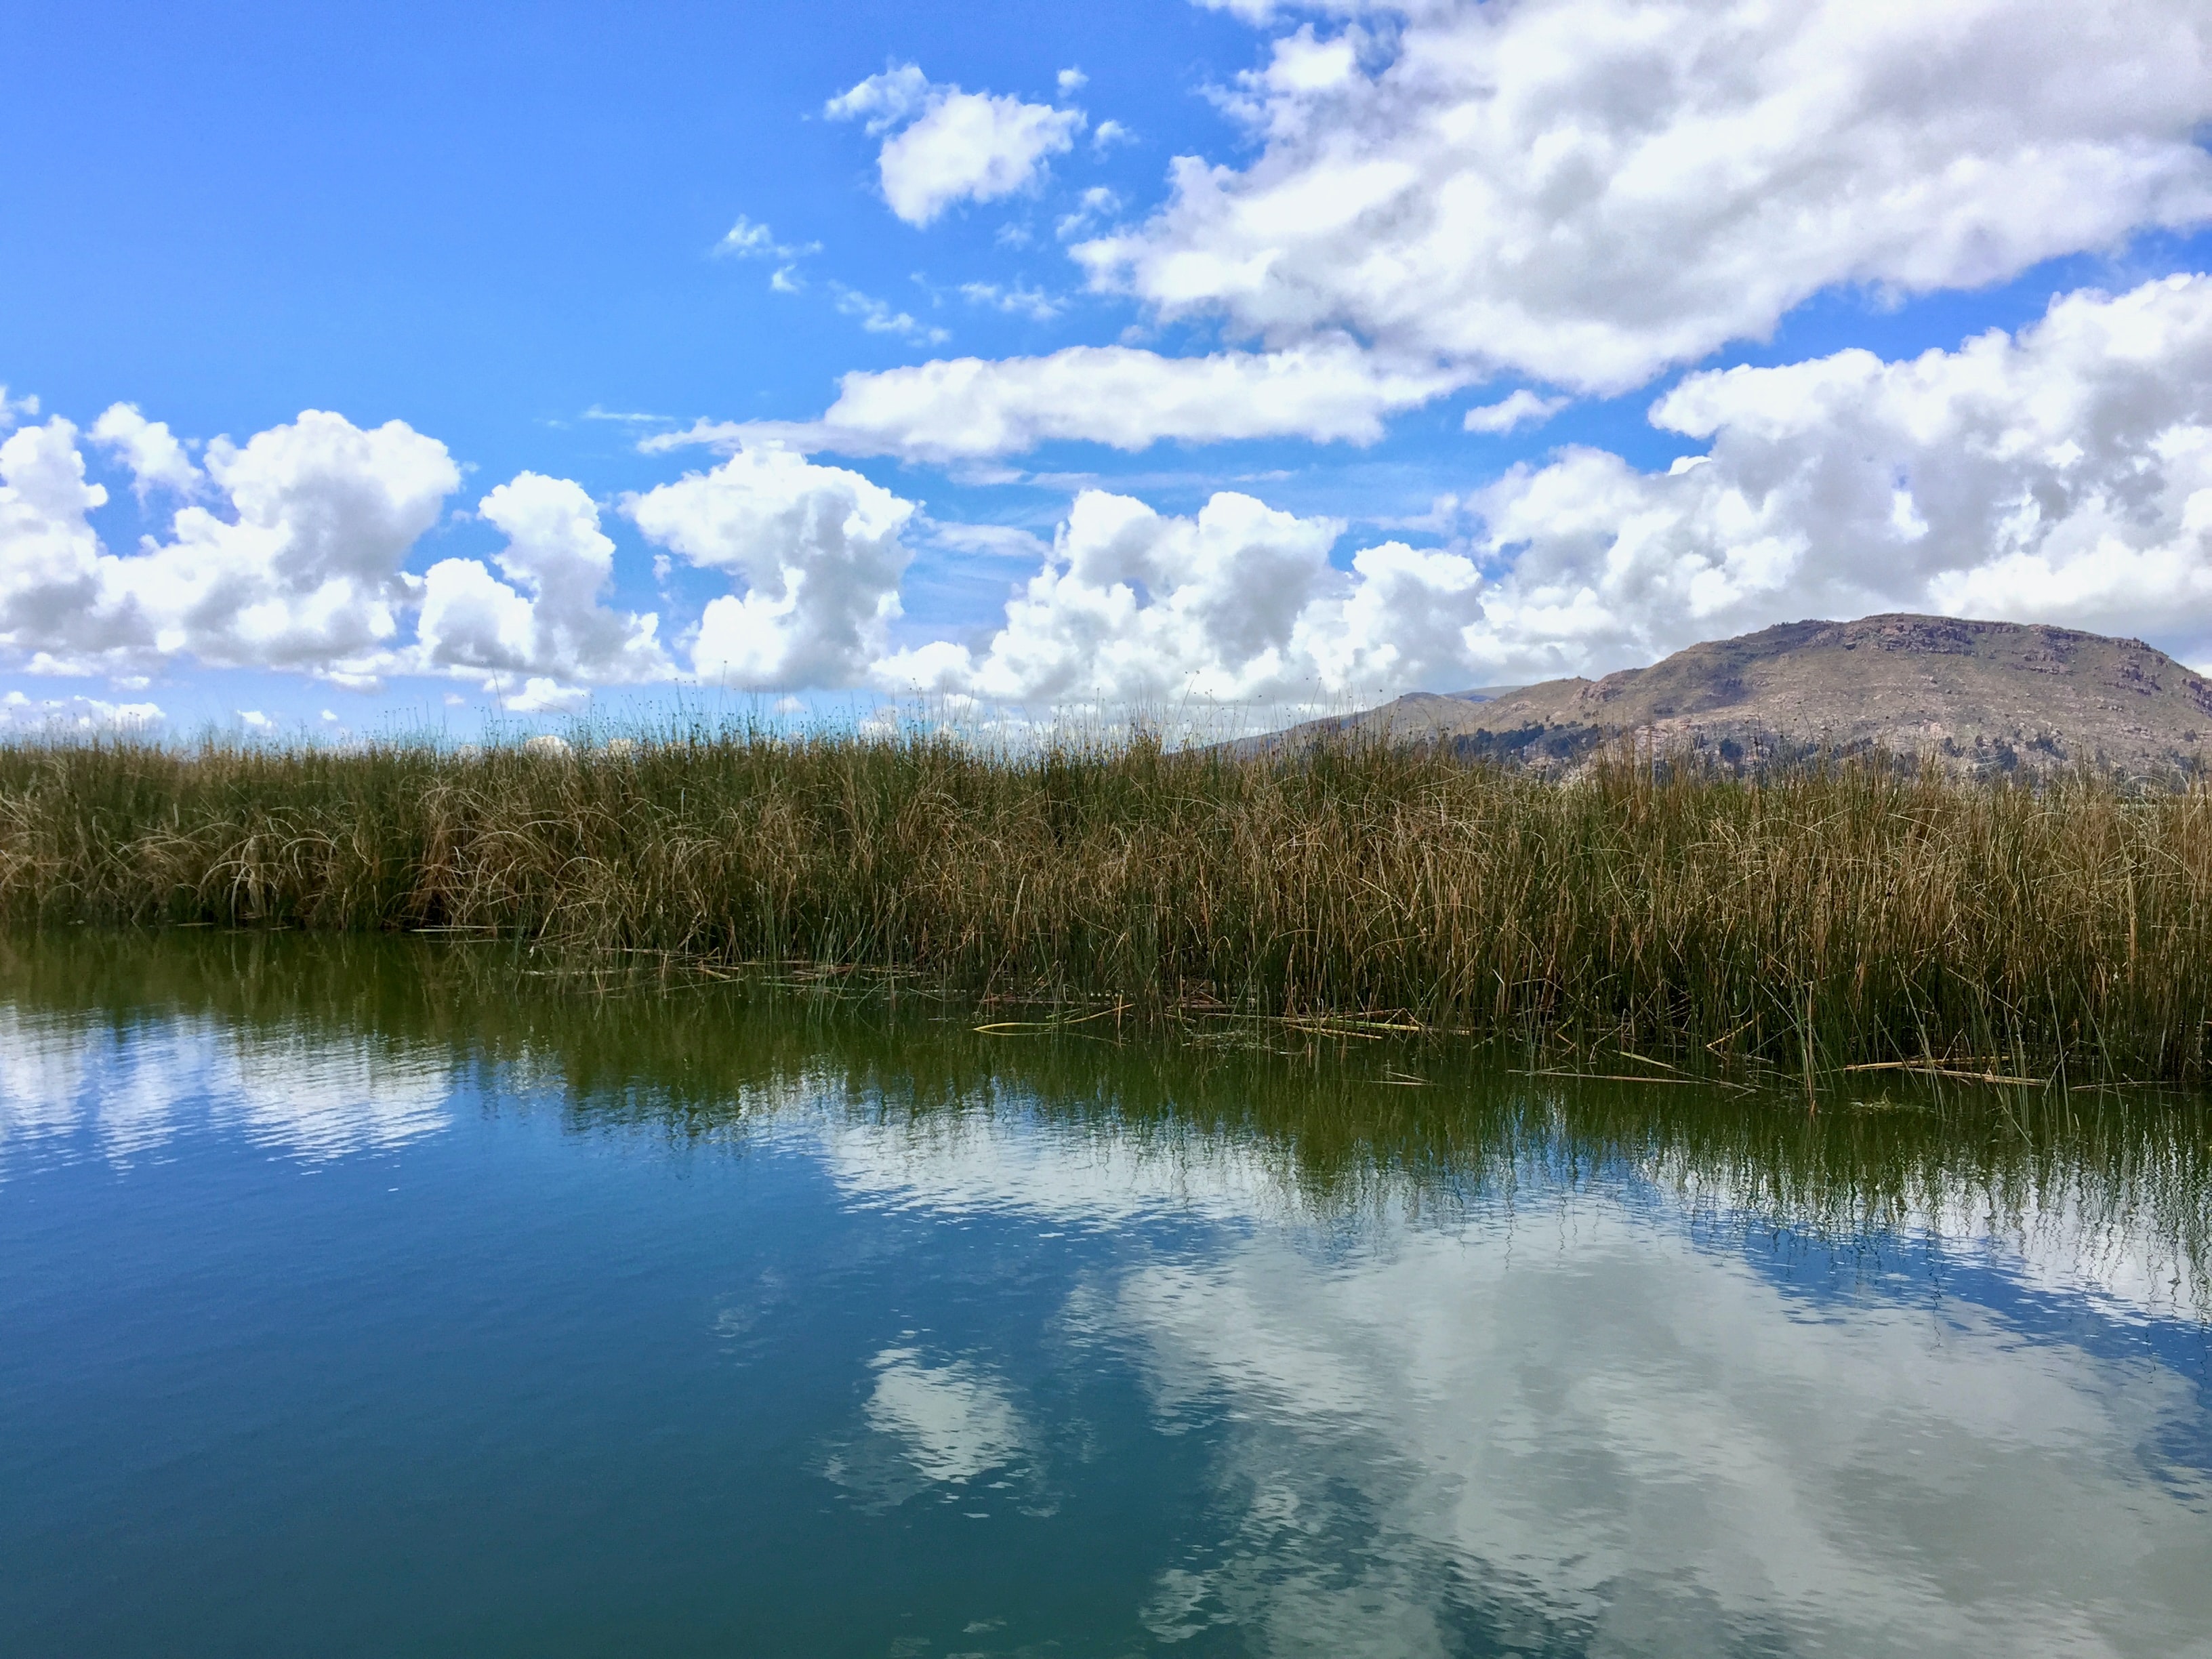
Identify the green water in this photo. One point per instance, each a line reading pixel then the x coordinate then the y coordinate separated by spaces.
pixel 372 1297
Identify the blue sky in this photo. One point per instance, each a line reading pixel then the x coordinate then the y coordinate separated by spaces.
pixel 507 227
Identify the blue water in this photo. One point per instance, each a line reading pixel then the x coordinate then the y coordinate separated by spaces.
pixel 379 1307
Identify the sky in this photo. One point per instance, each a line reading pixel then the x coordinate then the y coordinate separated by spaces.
pixel 376 368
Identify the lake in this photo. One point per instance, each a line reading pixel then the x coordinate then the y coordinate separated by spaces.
pixel 381 1296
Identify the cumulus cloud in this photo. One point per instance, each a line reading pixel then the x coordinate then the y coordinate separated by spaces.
pixel 969 408
pixel 1587 192
pixel 1238 603
pixel 305 573
pixel 1523 408
pixel 51 563
pixel 817 548
pixel 308 574
pixel 549 635
pixel 13 409
pixel 149 449
pixel 951 146
pixel 2061 475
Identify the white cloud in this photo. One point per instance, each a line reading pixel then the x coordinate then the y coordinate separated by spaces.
pixel 308 574
pixel 14 410
pixel 156 460
pixel 997 541
pixel 1589 191
pixel 1013 298
pixel 542 696
pixel 2063 476
pixel 1523 408
pixel 1071 81
pixel 746 240
pixel 625 416
pixel 51 563
pixel 552 635
pixel 883 100
pixel 254 721
pixel 1267 11
pixel 954 146
pixel 1238 603
pixel 1092 206
pixel 304 575
pixel 818 549
pixel 19 713
pixel 879 317
pixel 969 408
pixel 1109 134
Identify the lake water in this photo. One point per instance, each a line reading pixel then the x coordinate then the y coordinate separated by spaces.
pixel 375 1298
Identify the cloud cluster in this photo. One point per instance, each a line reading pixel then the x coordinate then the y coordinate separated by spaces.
pixel 289 553
pixel 2061 475
pixel 304 575
pixel 544 645
pixel 1236 604
pixel 817 548
pixel 79 715
pixel 946 146
pixel 1587 192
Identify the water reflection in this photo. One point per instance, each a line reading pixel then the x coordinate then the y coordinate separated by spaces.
pixel 314 1094
pixel 1493 1365
pixel 1643 1442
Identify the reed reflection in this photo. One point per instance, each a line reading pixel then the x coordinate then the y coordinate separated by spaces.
pixel 327 1045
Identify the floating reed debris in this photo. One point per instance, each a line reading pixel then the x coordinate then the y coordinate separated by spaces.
pixel 1846 915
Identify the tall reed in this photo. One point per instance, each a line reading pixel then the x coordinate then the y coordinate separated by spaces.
pixel 1822 917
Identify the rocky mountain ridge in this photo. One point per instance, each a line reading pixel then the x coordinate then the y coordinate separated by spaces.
pixel 1979 698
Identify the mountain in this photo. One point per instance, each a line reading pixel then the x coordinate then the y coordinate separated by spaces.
pixel 1984 697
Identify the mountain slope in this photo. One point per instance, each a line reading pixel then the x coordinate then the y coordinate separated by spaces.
pixel 1984 696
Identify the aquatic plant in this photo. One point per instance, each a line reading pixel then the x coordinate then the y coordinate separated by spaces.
pixel 1809 919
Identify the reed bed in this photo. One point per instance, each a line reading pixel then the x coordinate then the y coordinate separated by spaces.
pixel 1834 915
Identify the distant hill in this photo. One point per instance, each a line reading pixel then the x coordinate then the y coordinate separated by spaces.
pixel 1984 696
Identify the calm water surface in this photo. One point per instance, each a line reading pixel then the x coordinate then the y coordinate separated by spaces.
pixel 375 1299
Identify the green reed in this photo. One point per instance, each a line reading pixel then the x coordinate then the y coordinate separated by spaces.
pixel 1807 920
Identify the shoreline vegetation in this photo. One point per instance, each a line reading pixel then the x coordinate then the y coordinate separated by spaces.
pixel 1851 914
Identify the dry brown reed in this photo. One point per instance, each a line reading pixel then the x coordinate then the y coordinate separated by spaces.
pixel 1837 914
